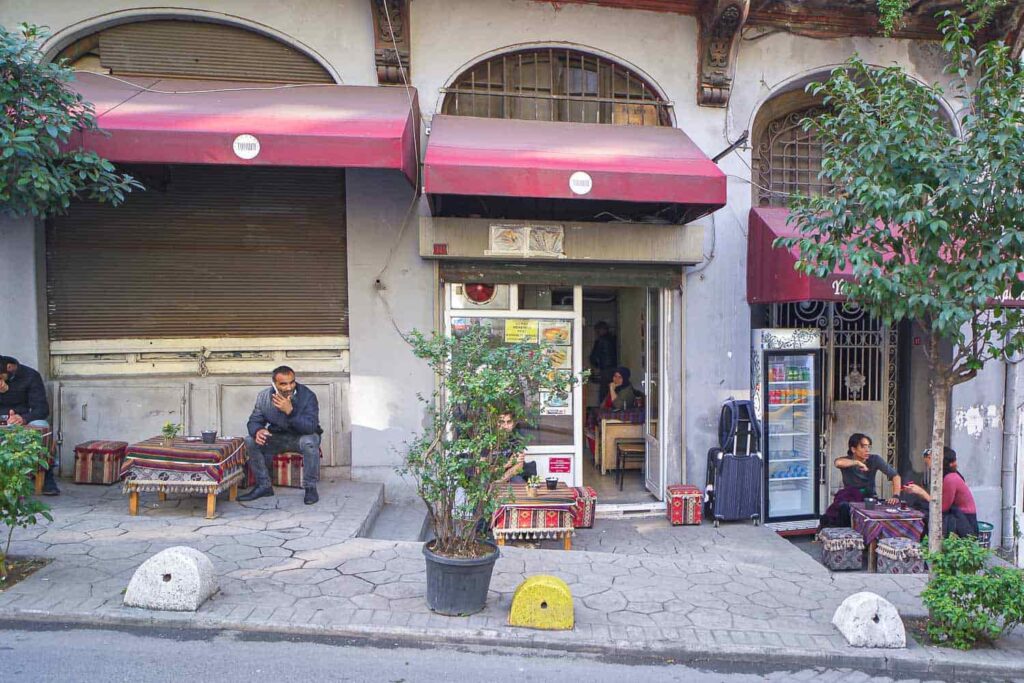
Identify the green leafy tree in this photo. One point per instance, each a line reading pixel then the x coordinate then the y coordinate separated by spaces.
pixel 462 457
pixel 39 174
pixel 930 223
pixel 22 454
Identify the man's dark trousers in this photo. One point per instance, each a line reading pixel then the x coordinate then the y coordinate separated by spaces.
pixel 261 457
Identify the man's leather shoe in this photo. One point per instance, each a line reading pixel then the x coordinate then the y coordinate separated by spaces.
pixel 256 492
pixel 311 496
pixel 50 485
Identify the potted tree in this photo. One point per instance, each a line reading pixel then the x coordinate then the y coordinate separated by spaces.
pixel 460 462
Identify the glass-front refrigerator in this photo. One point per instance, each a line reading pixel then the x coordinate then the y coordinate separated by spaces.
pixel 787 401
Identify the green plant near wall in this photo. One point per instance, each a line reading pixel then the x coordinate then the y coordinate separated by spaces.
pixel 890 14
pixel 40 174
pixel 967 601
pixel 22 454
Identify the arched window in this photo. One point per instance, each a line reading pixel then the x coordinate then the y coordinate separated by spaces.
pixel 556 84
pixel 789 160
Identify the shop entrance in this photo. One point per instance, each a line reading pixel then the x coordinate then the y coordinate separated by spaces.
pixel 617 450
pixel 623 452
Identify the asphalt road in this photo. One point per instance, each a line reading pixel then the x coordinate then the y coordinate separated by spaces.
pixel 31 652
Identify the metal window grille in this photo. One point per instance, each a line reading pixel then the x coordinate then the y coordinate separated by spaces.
pixel 556 84
pixel 789 160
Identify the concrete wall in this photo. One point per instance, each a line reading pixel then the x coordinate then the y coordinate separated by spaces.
pixel 23 291
pixel 385 376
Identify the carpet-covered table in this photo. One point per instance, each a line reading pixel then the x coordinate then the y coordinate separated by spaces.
pixel 885 521
pixel 184 465
pixel 49 443
pixel 548 515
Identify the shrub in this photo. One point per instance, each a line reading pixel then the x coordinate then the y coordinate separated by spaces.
pixel 22 454
pixel 967 601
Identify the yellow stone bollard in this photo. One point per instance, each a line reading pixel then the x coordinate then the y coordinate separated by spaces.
pixel 542 602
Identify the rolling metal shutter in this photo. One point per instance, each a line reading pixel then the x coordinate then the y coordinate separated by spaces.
pixel 204 252
pixel 192 49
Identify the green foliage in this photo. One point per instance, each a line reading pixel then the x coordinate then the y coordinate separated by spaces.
pixel 890 14
pixel 22 454
pixel 170 430
pixel 461 458
pixel 967 601
pixel 535 482
pixel 41 113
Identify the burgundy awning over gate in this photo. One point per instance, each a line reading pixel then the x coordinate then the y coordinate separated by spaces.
pixel 533 160
pixel 770 275
pixel 151 120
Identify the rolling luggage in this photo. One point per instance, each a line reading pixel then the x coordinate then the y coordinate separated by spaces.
pixel 736 473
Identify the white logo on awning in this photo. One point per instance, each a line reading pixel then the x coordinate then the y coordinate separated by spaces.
pixel 580 182
pixel 246 147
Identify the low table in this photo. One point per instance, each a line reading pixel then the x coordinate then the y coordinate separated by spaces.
pixel 183 465
pixel 884 521
pixel 49 443
pixel 626 451
pixel 547 515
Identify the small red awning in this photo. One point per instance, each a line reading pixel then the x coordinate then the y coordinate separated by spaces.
pixel 151 120
pixel 770 275
pixel 481 157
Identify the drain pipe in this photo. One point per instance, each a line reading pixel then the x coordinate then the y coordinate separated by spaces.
pixel 1009 479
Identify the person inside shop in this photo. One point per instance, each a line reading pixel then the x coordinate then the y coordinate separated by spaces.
pixel 621 394
pixel 286 419
pixel 604 358
pixel 959 513
pixel 23 402
pixel 517 470
pixel 859 467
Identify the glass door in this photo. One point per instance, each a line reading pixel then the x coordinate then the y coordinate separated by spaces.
pixel 652 388
pixel 791 403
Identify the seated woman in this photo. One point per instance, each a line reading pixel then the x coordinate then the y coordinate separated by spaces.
pixel 859 468
pixel 959 513
pixel 621 394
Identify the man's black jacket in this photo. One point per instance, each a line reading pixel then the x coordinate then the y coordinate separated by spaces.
pixel 26 395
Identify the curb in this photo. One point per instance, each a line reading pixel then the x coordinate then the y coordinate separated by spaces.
pixel 915 660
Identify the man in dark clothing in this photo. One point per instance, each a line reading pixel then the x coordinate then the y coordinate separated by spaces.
pixel 286 419
pixel 859 467
pixel 23 402
pixel 604 357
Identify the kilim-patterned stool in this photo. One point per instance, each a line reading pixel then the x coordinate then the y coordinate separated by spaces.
pixel 842 548
pixel 286 470
pixel 685 504
pixel 899 556
pixel 99 462
pixel 586 499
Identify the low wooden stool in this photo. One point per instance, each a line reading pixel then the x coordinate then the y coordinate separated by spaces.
pixel 626 451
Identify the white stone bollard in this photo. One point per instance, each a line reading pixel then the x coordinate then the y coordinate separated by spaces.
pixel 178 579
pixel 869 620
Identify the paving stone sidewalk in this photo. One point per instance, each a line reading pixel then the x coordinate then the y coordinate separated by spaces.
pixel 640 586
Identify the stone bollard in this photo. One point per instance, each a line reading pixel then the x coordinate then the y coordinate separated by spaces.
pixel 869 620
pixel 178 579
pixel 542 602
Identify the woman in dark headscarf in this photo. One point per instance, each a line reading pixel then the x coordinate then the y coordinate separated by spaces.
pixel 621 395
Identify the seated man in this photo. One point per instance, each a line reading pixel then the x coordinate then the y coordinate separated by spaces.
pixel 859 467
pixel 23 402
pixel 286 419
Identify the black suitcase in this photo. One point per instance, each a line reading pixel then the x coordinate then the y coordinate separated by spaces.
pixel 736 491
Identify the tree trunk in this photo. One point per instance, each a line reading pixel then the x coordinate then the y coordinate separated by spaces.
pixel 940 398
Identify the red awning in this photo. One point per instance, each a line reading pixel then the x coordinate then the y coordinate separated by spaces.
pixel 770 275
pixel 480 157
pixel 153 120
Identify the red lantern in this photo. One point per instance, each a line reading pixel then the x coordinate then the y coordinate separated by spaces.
pixel 479 293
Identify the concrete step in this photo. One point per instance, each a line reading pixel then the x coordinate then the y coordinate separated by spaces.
pixel 399 522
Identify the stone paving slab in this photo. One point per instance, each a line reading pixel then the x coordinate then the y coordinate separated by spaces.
pixel 640 586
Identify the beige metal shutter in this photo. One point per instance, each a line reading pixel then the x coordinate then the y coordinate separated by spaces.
pixel 192 49
pixel 205 251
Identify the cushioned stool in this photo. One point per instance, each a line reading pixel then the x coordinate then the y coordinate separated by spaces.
pixel 99 462
pixel 841 548
pixel 586 498
pixel 685 504
pixel 899 556
pixel 286 470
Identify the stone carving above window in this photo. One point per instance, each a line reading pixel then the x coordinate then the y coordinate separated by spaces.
pixel 391 40
pixel 720 28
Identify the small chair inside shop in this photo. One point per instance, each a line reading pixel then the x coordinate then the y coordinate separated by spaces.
pixel 628 451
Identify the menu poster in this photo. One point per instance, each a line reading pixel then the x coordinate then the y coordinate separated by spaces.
pixel 552 403
pixel 556 332
pixel 520 331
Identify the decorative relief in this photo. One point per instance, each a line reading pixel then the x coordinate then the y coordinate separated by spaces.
pixel 720 27
pixel 391 40
pixel 790 339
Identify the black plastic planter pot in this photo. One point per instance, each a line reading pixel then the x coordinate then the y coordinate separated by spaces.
pixel 456 586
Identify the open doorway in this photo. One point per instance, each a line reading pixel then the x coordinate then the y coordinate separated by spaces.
pixel 621 334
